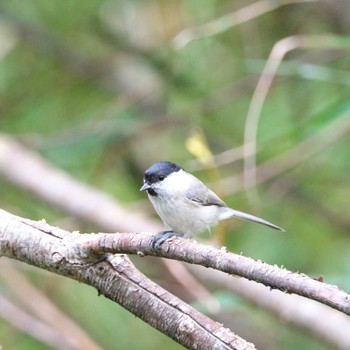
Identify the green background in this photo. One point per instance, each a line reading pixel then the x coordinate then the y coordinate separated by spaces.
pixel 98 89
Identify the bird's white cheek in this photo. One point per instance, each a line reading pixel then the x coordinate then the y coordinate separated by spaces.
pixel 175 184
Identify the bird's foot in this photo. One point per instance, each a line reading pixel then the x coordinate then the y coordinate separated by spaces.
pixel 161 237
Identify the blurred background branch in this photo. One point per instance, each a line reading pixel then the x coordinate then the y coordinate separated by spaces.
pixel 278 52
pixel 221 24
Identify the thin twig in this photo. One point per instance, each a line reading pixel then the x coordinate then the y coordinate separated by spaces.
pixel 278 52
pixel 221 24
pixel 304 150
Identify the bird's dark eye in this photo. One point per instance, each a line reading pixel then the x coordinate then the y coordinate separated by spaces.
pixel 161 177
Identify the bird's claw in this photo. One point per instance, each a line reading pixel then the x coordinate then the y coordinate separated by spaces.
pixel 161 237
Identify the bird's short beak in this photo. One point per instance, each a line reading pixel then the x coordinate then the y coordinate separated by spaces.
pixel 145 187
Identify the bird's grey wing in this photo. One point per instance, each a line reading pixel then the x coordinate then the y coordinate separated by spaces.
pixel 200 194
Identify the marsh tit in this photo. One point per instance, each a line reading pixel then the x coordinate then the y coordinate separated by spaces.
pixel 185 204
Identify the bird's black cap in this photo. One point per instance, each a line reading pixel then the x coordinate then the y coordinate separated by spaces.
pixel 160 170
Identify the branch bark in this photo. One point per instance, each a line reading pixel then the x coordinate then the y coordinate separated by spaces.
pixel 115 277
pixel 219 259
pixel 308 315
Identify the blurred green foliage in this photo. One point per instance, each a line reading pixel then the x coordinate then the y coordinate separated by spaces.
pixel 99 90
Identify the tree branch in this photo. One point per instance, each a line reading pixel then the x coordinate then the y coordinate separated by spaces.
pixel 219 259
pixel 115 277
pixel 308 315
pixel 87 258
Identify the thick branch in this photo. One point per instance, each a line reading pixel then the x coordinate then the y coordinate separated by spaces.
pixel 115 277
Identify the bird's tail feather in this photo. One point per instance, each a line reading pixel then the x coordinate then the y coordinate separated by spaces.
pixel 244 216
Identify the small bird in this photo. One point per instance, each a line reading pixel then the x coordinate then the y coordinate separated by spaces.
pixel 185 204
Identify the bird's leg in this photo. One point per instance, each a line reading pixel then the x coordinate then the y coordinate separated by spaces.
pixel 162 236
